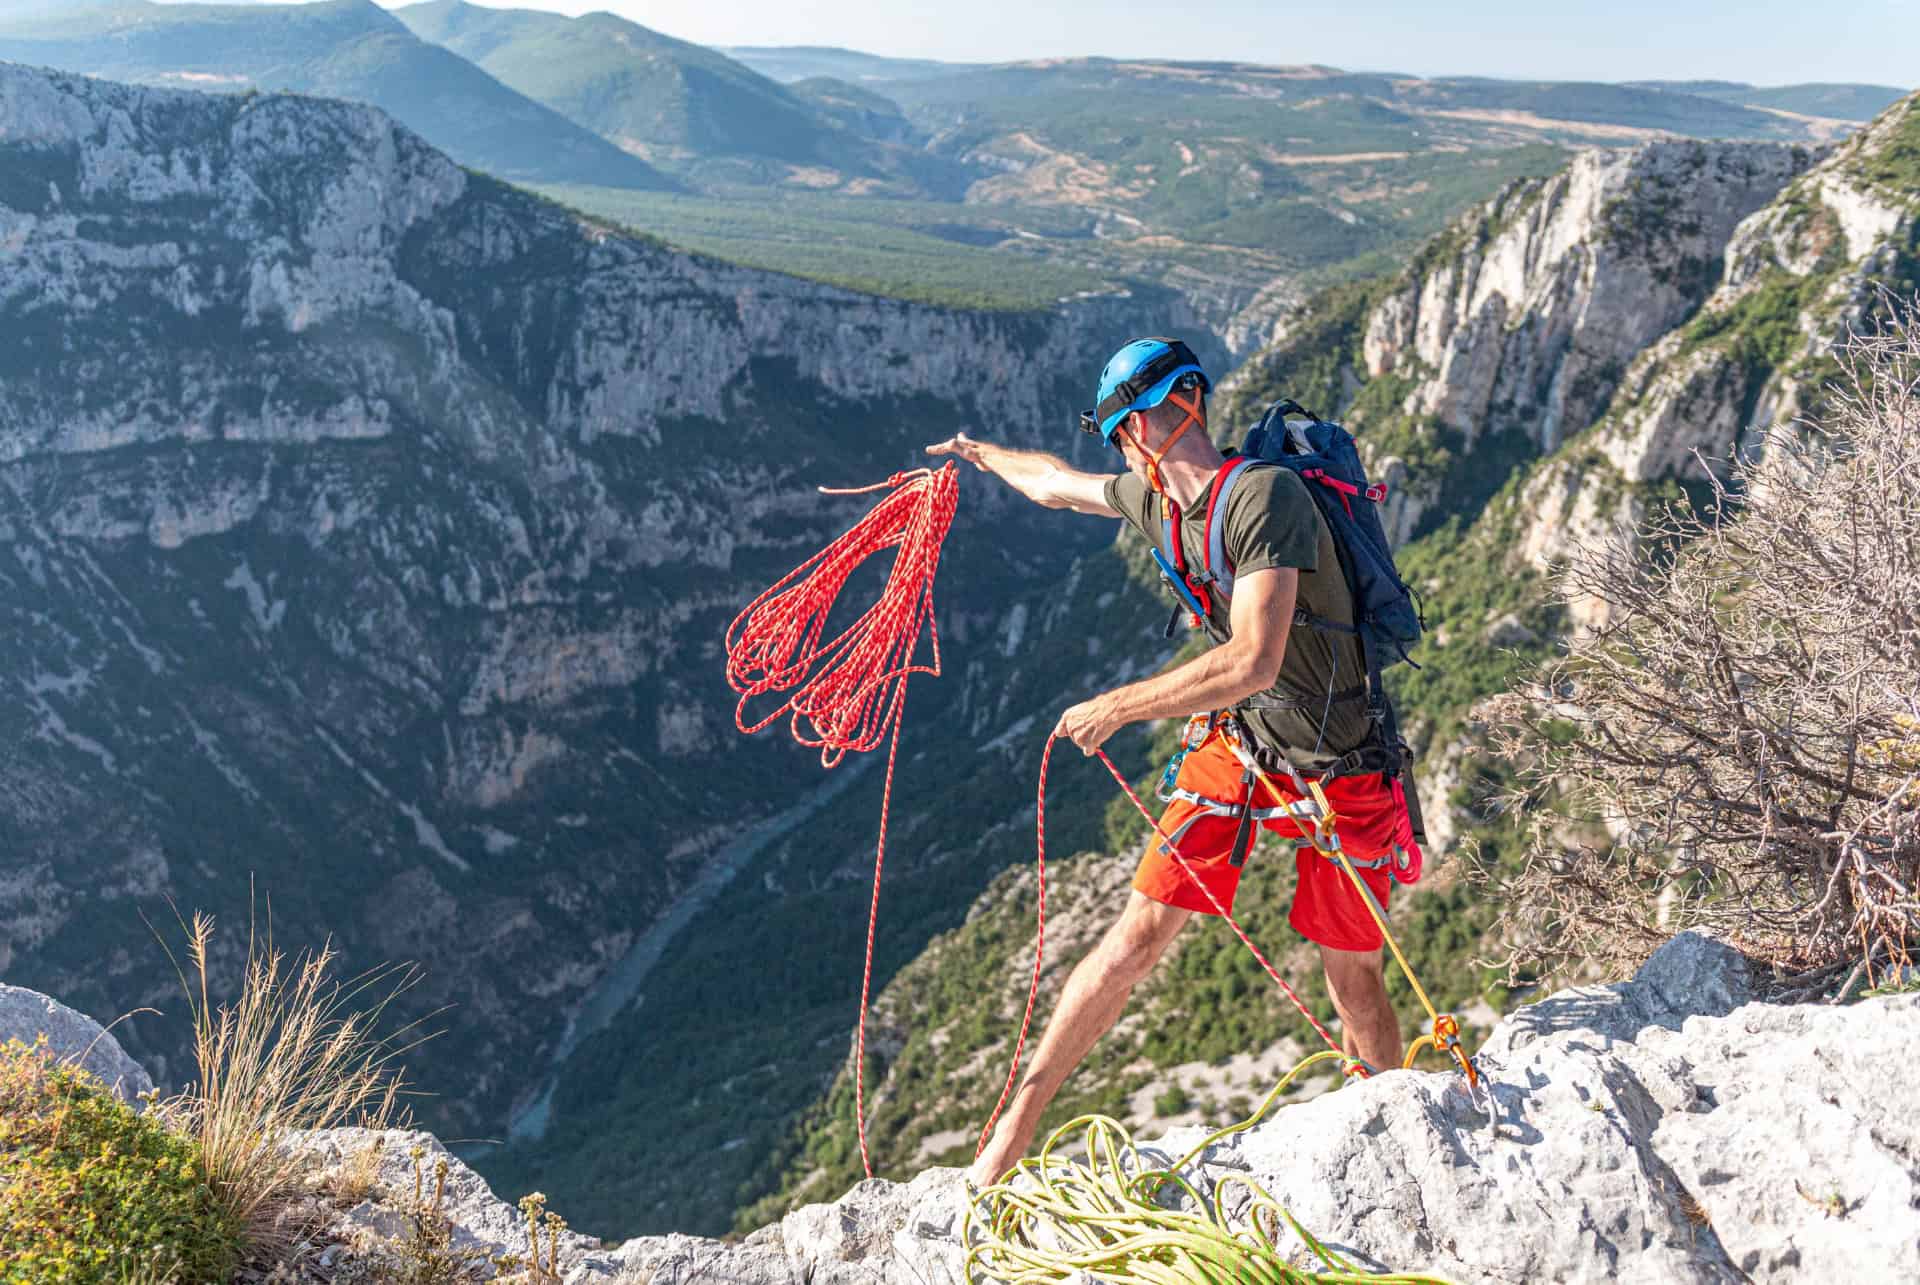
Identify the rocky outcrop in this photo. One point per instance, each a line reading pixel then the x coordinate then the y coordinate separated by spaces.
pixel 30 1017
pixel 1511 332
pixel 1526 318
pixel 1798 275
pixel 1670 1128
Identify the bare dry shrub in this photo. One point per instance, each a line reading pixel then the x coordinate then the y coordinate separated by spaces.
pixel 1738 747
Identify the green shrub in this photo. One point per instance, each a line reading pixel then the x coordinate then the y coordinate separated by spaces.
pixel 91 1190
pixel 1172 1102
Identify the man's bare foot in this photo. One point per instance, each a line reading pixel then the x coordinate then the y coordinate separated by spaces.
pixel 993 1164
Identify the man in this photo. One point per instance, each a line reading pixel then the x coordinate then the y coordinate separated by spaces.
pixel 1297 690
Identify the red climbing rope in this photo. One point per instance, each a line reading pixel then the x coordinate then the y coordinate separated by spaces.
pixel 848 693
pixel 1040 935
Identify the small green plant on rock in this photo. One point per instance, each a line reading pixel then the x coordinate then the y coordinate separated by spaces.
pixel 425 1253
pixel 542 1271
pixel 92 1191
pixel 293 1051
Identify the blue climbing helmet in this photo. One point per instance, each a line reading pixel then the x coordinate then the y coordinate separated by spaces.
pixel 1139 377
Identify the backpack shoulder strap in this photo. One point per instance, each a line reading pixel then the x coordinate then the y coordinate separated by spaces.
pixel 1170 535
pixel 1219 566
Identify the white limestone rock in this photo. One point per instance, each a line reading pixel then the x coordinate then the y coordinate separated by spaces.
pixel 71 1037
pixel 1669 1128
pixel 1531 320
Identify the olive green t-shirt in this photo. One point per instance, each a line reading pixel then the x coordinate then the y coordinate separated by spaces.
pixel 1271 521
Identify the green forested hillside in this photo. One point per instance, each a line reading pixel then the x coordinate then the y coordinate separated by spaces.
pixel 800 62
pixel 648 93
pixel 1839 102
pixel 339 48
pixel 1207 236
pixel 1232 178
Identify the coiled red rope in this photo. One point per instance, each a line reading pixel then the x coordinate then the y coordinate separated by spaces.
pixel 849 693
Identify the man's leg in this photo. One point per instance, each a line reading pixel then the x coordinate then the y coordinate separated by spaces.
pixel 1092 1001
pixel 1357 981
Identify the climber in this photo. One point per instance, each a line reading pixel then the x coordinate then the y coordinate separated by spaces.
pixel 1269 687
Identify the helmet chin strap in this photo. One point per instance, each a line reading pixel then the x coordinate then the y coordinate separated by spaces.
pixel 1192 417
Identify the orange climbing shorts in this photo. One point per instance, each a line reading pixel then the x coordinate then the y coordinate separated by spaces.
pixel 1202 819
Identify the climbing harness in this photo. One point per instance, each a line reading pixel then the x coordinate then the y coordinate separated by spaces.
pixel 848 693
pixel 1402 863
pixel 1444 1035
pixel 1056 1218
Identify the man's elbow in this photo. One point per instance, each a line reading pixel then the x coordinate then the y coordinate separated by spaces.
pixel 1257 669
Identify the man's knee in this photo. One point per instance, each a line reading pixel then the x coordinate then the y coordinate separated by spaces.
pixel 1135 942
pixel 1354 975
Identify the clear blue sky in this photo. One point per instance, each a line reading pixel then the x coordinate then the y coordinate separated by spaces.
pixel 1767 42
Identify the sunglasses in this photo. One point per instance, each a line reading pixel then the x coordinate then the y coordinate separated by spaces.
pixel 1090 423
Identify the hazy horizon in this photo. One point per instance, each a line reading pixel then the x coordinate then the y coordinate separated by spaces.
pixel 1761 42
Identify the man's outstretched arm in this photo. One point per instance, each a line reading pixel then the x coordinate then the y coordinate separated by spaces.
pixel 1045 479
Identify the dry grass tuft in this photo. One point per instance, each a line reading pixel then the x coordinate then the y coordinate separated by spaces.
pixel 295 1050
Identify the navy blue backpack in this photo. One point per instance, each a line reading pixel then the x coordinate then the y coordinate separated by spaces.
pixel 1386 619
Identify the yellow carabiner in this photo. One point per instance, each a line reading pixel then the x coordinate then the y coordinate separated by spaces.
pixel 1324 837
pixel 1444 1038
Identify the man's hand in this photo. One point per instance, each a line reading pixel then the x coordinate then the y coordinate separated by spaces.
pixel 1090 724
pixel 964 447
pixel 1044 479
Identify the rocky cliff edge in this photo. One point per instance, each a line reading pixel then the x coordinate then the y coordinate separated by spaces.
pixel 1670 1128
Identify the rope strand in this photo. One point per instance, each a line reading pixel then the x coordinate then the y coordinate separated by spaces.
pixel 1085 1208
pixel 848 694
pixel 1040 934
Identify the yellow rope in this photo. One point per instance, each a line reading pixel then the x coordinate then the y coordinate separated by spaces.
pixel 1098 1216
pixel 1445 1034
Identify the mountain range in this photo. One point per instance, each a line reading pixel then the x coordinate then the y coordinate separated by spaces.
pixel 336 48
pixel 651 95
pixel 1240 186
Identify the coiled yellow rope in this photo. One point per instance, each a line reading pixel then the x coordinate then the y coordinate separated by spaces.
pixel 1098 1217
